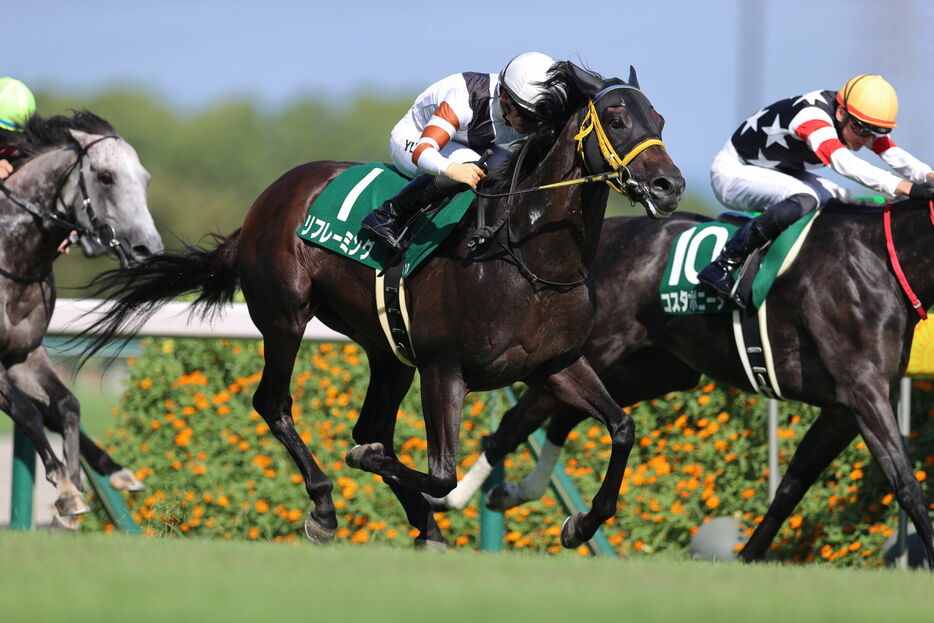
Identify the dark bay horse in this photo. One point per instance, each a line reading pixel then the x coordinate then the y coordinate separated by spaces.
pixel 77 176
pixel 840 327
pixel 477 322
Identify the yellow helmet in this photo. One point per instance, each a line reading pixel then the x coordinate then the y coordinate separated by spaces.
pixel 17 104
pixel 871 99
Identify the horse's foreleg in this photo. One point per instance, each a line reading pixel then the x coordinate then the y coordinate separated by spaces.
pixel 580 388
pixel 274 403
pixel 389 382
pixel 28 418
pixel 442 399
pixel 517 424
pixel 61 414
pixel 36 378
pixel 828 436
pixel 120 478
pixel 877 424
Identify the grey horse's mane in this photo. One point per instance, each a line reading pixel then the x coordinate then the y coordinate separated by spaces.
pixel 42 134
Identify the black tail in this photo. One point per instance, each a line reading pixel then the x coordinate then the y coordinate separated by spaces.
pixel 136 292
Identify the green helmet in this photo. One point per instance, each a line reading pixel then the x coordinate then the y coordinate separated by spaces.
pixel 17 104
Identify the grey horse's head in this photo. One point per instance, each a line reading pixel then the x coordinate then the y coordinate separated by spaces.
pixel 116 183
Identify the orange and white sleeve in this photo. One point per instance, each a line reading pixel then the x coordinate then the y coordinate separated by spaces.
pixel 442 126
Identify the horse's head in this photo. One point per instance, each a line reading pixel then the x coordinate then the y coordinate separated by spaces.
pixel 110 200
pixel 621 132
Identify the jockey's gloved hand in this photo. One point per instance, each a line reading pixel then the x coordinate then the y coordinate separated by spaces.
pixel 922 191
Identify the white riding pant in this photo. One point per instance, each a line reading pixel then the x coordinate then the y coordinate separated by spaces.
pixel 405 135
pixel 746 187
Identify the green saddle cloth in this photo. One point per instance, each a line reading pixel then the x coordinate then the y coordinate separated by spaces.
pixel 333 220
pixel 680 292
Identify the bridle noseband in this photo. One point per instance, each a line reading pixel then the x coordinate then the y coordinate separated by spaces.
pixel 591 125
pixel 620 179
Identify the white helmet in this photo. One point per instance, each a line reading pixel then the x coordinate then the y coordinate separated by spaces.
pixel 522 75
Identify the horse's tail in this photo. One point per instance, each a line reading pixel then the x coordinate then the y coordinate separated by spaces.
pixel 135 293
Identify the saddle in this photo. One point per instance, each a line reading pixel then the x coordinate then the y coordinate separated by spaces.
pixel 333 222
pixel 680 293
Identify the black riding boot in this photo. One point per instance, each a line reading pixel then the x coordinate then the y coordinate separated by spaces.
pixel 764 228
pixel 719 273
pixel 387 222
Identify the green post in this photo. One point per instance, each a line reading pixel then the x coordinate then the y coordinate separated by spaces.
pixel 24 479
pixel 492 530
pixel 112 501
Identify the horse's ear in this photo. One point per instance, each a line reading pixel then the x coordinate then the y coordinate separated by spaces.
pixel 83 138
pixel 633 78
pixel 586 81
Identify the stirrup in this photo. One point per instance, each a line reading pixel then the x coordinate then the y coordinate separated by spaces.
pixel 728 294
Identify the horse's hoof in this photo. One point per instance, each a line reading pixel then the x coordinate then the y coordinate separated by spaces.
pixel 569 538
pixel 438 505
pixel 427 545
pixel 65 524
pixel 504 496
pixel 357 456
pixel 317 533
pixel 72 505
pixel 126 480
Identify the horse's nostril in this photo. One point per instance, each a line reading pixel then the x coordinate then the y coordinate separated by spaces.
pixel 141 250
pixel 667 186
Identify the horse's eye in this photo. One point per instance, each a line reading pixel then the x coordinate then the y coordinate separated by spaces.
pixel 105 177
pixel 617 124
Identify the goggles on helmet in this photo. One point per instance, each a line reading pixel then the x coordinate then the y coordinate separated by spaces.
pixel 864 130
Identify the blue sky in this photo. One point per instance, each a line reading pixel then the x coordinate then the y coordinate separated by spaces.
pixel 705 65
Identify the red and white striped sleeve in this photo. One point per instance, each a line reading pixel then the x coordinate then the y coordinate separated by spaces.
pixel 900 160
pixel 814 126
pixel 449 103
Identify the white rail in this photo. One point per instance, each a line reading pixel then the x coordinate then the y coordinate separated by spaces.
pixel 73 315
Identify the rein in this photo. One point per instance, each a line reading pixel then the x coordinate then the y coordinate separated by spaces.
pixel 625 183
pixel 99 231
pixel 620 180
pixel 896 265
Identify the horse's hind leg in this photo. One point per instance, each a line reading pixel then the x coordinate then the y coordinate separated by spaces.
pixel 389 382
pixel 828 436
pixel 443 394
pixel 273 402
pixel 877 424
pixel 25 414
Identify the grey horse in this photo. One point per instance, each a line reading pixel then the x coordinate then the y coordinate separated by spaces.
pixel 78 179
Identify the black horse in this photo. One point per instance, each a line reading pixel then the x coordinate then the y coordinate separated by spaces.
pixel 518 308
pixel 840 327
pixel 77 176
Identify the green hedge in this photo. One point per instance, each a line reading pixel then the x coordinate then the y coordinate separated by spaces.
pixel 212 468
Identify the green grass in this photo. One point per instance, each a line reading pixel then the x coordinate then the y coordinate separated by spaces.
pixel 48 577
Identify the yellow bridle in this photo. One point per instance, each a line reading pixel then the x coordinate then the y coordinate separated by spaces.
pixel 591 123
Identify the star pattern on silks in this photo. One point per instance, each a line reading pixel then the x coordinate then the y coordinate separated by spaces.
pixel 775 133
pixel 772 144
pixel 761 161
pixel 811 98
pixel 753 122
